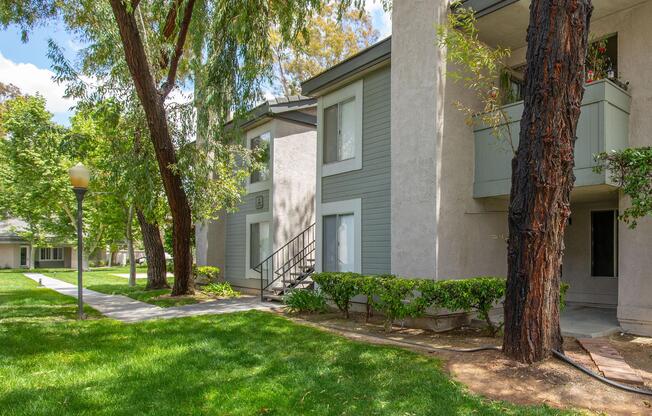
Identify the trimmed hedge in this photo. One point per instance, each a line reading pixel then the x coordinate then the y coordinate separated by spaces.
pixel 410 298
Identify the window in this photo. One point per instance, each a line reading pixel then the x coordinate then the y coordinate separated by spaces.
pixel 339 131
pixel 339 243
pixel 23 256
pixel 604 243
pixel 261 143
pixel 259 243
pixel 51 254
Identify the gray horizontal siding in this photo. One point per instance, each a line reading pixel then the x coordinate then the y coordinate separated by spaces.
pixel 372 182
pixel 236 235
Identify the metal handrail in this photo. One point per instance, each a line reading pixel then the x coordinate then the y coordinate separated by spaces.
pixel 287 259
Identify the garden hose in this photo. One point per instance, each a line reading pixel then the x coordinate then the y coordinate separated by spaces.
pixel 605 380
pixel 556 353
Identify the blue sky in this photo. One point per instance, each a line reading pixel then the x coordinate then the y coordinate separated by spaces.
pixel 27 66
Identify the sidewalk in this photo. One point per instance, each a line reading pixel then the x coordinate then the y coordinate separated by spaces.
pixel 125 309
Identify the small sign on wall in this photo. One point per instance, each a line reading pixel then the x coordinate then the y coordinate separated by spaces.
pixel 260 202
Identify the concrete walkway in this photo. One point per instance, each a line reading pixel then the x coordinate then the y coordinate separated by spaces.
pixel 126 309
pixel 588 322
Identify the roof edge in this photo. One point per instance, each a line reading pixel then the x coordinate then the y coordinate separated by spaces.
pixel 364 59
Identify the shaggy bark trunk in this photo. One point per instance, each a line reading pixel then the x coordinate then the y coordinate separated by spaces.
pixel 542 175
pixel 130 246
pixel 152 101
pixel 154 251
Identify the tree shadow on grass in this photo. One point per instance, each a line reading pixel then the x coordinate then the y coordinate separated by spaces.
pixel 241 364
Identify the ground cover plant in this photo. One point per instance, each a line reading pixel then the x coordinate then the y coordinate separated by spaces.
pixel 247 363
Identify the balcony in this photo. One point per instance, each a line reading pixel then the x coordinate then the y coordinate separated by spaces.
pixel 603 126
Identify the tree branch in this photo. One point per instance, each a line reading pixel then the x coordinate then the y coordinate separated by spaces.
pixel 178 51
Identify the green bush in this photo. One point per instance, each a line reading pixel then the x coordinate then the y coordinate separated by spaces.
pixel 399 298
pixel 206 274
pixel 479 294
pixel 303 300
pixel 369 287
pixel 338 287
pixel 222 289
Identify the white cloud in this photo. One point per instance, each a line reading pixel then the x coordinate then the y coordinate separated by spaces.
pixel 32 79
pixel 381 19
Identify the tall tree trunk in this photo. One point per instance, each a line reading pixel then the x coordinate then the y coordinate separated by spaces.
pixel 154 251
pixel 130 246
pixel 152 101
pixel 32 255
pixel 542 175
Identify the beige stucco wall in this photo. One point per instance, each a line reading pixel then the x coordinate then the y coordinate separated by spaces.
pixel 210 243
pixel 416 88
pixel 293 185
pixel 9 256
pixel 438 230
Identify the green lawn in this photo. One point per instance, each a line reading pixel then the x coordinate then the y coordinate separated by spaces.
pixel 237 364
pixel 102 280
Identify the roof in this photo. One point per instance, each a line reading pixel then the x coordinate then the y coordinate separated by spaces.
pixel 365 59
pixel 9 229
pixel 484 7
pixel 287 107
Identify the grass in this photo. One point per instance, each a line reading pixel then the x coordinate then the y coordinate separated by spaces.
pixel 103 280
pixel 248 363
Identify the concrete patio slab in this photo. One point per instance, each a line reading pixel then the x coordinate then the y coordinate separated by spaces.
pixel 589 322
pixel 126 309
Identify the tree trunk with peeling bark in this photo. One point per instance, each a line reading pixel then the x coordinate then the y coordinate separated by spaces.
pixel 153 99
pixel 542 175
pixel 154 251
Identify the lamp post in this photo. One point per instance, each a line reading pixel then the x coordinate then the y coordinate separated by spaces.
pixel 79 177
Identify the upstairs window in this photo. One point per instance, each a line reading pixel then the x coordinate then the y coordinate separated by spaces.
pixel 339 131
pixel 261 144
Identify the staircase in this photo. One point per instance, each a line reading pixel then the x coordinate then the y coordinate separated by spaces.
pixel 289 267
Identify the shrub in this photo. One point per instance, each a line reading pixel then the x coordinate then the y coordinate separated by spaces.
pixel 169 266
pixel 338 287
pixel 399 298
pixel 368 286
pixel 206 274
pixel 479 293
pixel 222 289
pixel 303 300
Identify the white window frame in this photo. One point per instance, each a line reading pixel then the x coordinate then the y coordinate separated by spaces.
pixel 250 135
pixel 50 253
pixel 253 219
pixel 352 91
pixel 350 206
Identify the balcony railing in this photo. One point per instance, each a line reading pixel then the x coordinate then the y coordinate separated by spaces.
pixel 603 126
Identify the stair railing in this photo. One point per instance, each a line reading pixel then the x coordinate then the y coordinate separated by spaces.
pixel 288 259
